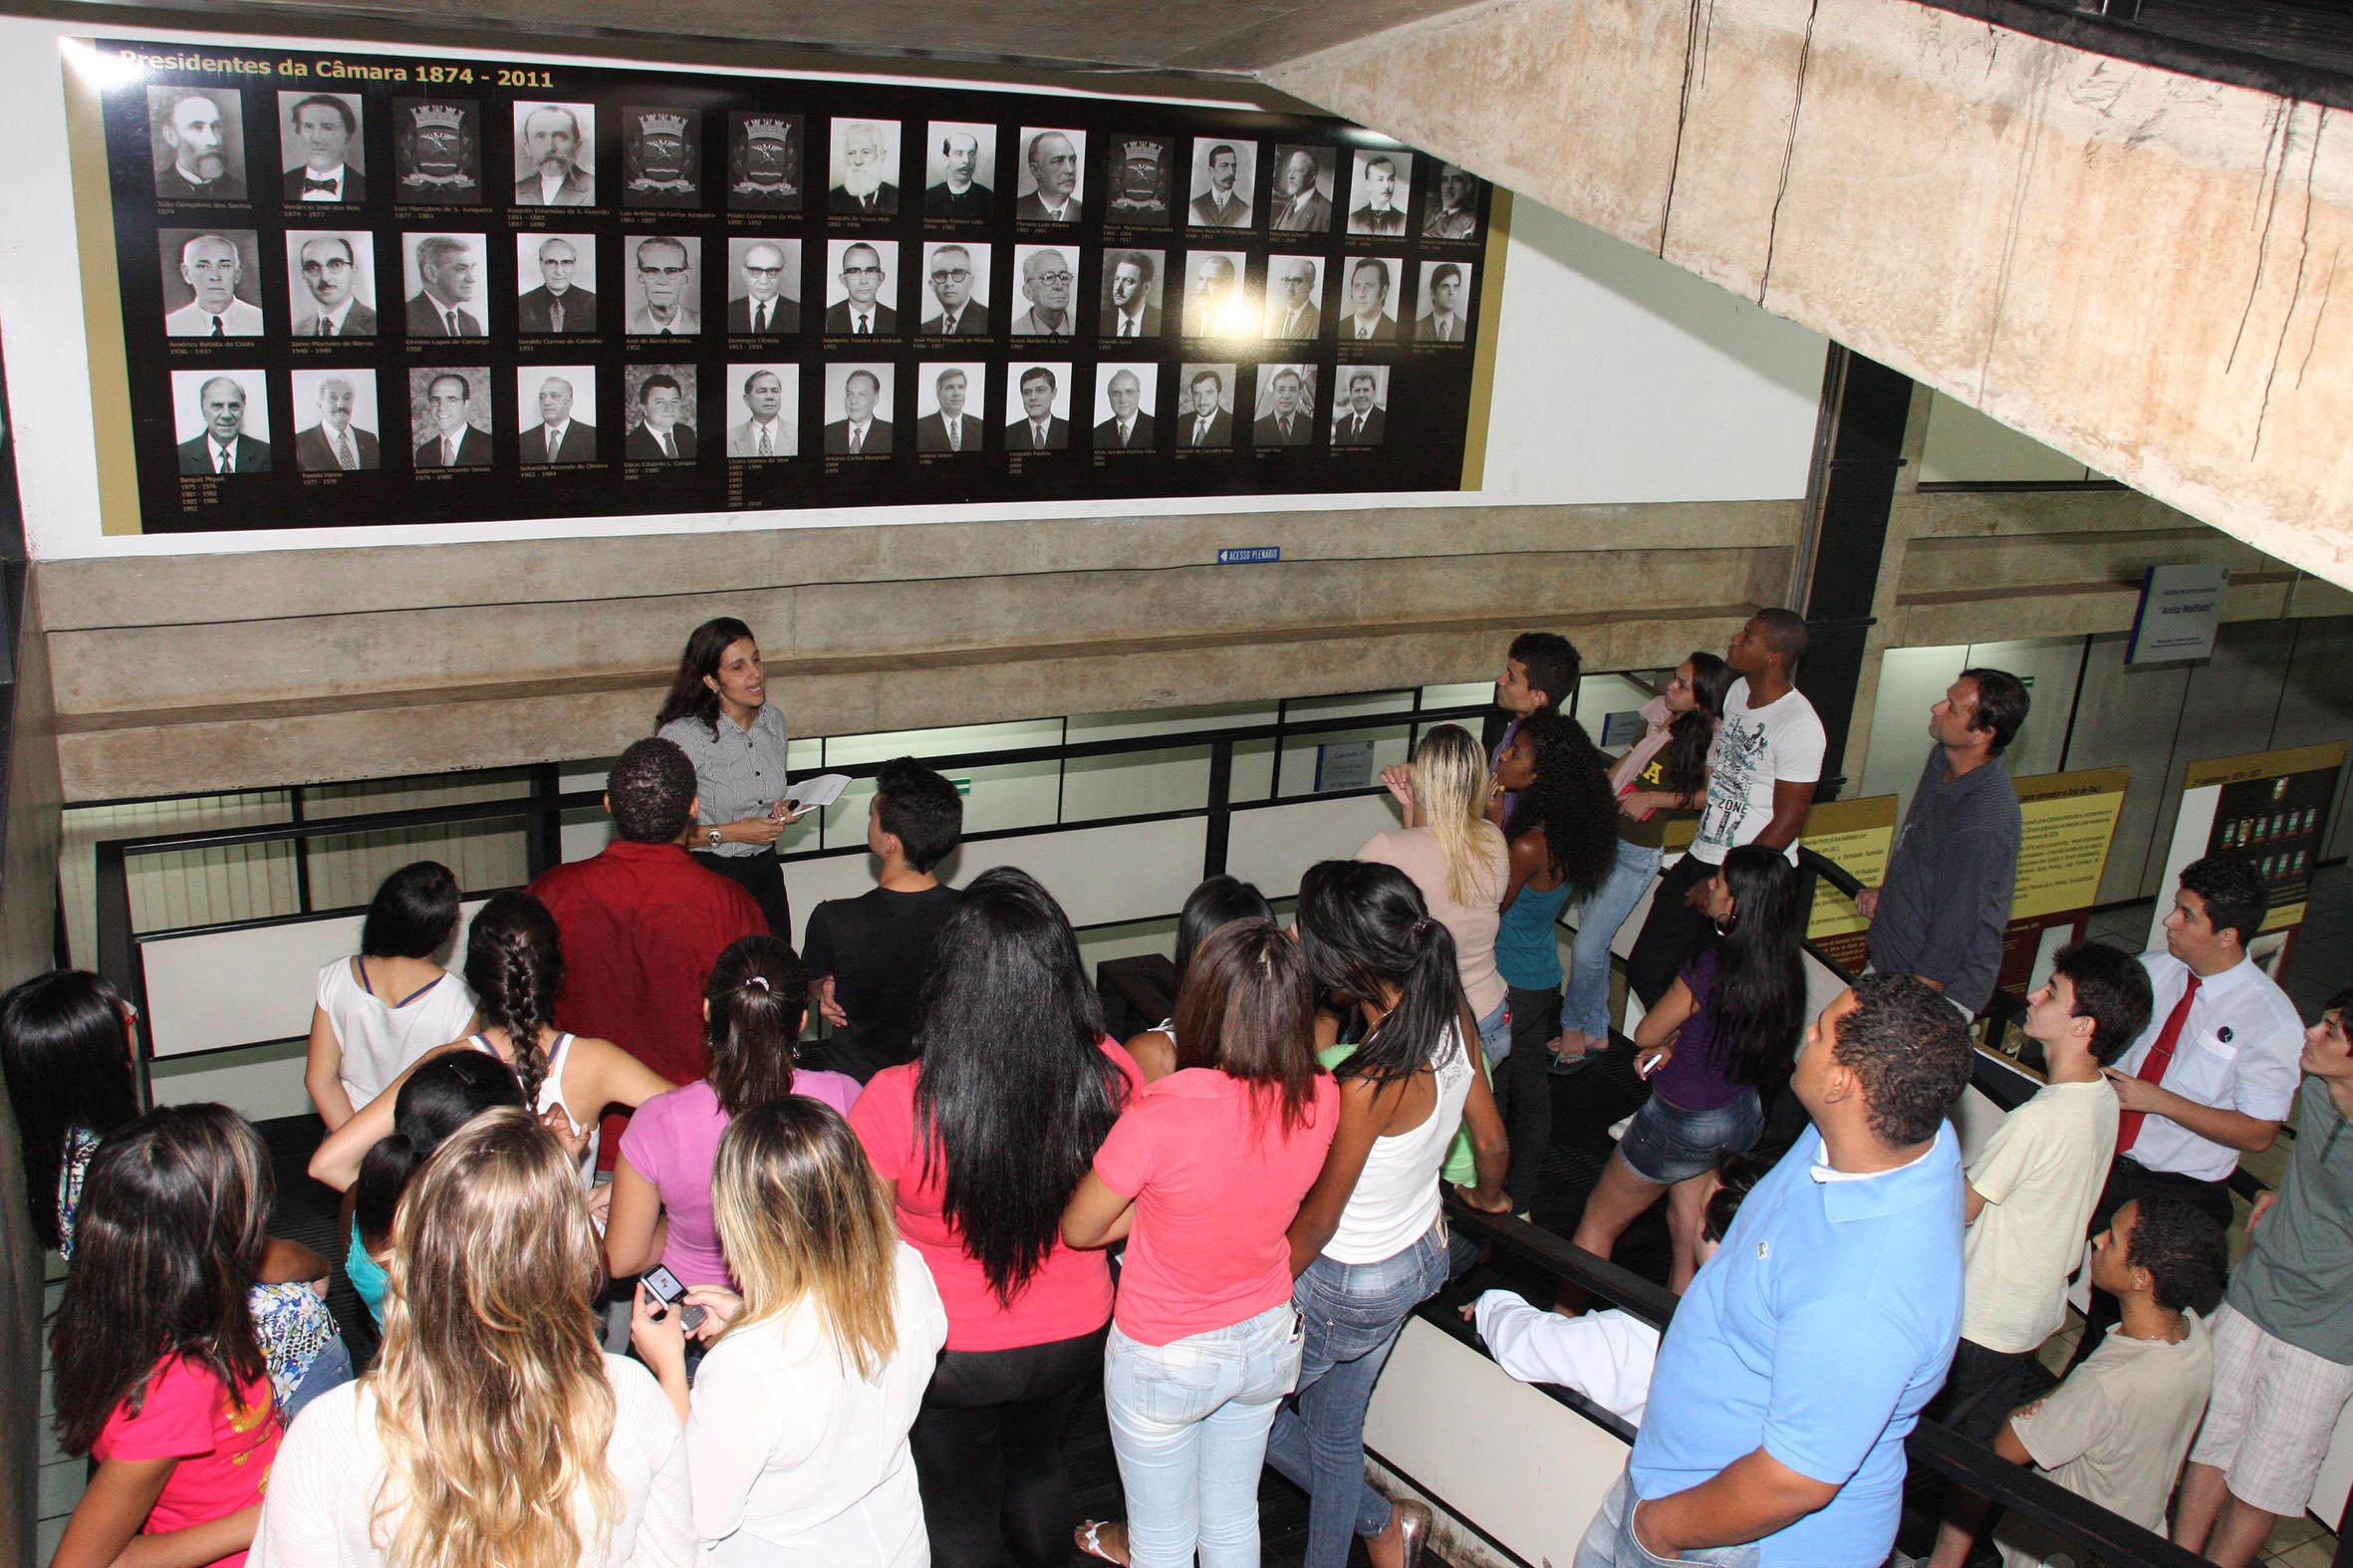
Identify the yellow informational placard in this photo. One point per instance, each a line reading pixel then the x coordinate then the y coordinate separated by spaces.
pixel 2070 819
pixel 1857 834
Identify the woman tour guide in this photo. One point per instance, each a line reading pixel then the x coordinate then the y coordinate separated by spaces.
pixel 718 713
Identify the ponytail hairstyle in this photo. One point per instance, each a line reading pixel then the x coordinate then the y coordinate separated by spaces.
pixel 1683 763
pixel 1449 775
pixel 168 1242
pixel 1369 938
pixel 1013 1092
pixel 492 1401
pixel 1756 1006
pixel 65 1052
pixel 1219 901
pixel 1570 801
pixel 1246 1007
pixel 803 1218
pixel 441 1095
pixel 514 964
pixel 688 697
pixel 753 1001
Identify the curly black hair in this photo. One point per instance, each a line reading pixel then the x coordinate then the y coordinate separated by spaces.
pixel 1907 1044
pixel 2184 1251
pixel 1570 801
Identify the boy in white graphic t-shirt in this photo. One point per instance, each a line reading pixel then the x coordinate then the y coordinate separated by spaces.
pixel 1760 783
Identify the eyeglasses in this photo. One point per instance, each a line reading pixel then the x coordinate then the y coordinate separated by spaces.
pixel 956 275
pixel 763 272
pixel 661 272
pixel 1062 278
pixel 862 272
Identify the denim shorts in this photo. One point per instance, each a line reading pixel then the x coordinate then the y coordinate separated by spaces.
pixel 1666 1144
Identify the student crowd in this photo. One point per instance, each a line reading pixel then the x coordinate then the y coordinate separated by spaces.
pixel 865 1297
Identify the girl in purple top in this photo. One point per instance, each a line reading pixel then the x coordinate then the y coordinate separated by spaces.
pixel 1728 1028
pixel 753 1008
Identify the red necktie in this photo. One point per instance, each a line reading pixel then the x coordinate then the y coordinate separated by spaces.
pixel 2153 1066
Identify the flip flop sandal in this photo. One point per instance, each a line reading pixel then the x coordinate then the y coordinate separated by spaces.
pixel 1088 1537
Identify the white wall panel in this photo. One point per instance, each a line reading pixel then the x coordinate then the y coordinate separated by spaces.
pixel 1103 874
pixel 220 989
pixel 1274 845
pixel 1966 446
pixel 1510 1458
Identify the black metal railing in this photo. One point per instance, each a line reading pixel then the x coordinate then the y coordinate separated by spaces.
pixel 1936 1447
pixel 542 811
pixel 1962 1462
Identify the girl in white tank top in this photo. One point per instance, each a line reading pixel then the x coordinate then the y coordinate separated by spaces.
pixel 1368 1246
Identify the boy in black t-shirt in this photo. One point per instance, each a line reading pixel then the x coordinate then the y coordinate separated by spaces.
pixel 868 956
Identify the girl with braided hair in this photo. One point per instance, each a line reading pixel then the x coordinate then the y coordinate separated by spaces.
pixel 515 966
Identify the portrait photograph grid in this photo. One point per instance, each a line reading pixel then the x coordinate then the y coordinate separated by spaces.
pixel 672 291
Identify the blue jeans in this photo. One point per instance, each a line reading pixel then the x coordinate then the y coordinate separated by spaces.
pixel 1494 1034
pixel 1188 1424
pixel 1610 1542
pixel 1588 1008
pixel 330 1370
pixel 1354 1312
pixel 1667 1143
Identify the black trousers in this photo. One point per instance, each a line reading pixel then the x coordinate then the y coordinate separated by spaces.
pixel 1670 934
pixel 1523 1089
pixel 761 876
pixel 2129 1181
pixel 988 1451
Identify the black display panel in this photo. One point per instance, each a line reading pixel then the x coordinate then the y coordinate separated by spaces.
pixel 363 289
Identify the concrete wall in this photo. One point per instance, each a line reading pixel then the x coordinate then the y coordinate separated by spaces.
pixel 2130 265
pixel 28 911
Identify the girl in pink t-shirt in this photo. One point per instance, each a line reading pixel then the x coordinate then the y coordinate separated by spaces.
pixel 159 1376
pixel 980 1140
pixel 1202 1176
pixel 752 1006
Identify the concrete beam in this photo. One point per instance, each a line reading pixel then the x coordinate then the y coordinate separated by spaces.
pixel 188 673
pixel 2131 265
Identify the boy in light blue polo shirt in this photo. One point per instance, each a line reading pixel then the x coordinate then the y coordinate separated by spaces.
pixel 1800 1358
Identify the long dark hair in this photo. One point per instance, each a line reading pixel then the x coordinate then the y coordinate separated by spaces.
pixel 688 696
pixel 514 962
pixel 1364 930
pixel 757 994
pixel 1756 1005
pixel 1013 1095
pixel 169 1242
pixel 1684 762
pixel 1247 1009
pixel 439 1098
pixel 1219 901
pixel 1570 800
pixel 68 1066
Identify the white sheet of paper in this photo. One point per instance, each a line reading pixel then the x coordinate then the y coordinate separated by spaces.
pixel 823 790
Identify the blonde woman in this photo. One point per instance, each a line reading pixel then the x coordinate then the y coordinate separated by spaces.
pixel 494 1429
pixel 796 1431
pixel 1457 857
